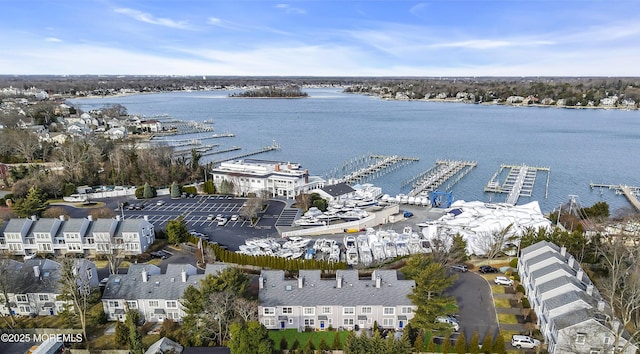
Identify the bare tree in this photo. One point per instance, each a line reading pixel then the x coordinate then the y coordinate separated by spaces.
pixel 8 272
pixel 25 143
pixel 246 309
pixel 115 254
pixel 75 288
pixel 219 313
pixel 492 242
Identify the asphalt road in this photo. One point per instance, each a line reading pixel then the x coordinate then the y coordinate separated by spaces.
pixel 475 303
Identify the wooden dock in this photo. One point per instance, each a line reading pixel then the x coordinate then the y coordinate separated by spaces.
pixel 444 170
pixel 628 191
pixel 272 147
pixel 371 166
pixel 519 182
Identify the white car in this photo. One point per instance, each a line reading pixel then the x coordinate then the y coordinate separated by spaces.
pixel 210 217
pixel 450 321
pixel 160 203
pixel 527 342
pixel 234 217
pixel 222 222
pixel 503 281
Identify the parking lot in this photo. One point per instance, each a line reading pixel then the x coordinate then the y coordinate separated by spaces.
pixel 202 214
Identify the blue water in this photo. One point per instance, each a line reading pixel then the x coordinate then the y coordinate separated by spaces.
pixel 330 127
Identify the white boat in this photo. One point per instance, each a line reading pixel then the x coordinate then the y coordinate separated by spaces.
pixel 349 241
pixel 328 217
pixel 352 256
pixel 411 200
pixel 334 254
pixel 311 253
pixel 353 215
pixel 414 246
pixel 390 249
pixel 402 248
pixel 306 222
pixel 296 242
pixel 377 250
pixel 404 199
pixel 365 254
pixel 425 201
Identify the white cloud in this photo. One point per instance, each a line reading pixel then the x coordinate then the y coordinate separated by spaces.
pixel 290 10
pixel 53 39
pixel 490 44
pixel 148 18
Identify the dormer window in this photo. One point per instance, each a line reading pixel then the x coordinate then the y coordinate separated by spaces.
pixel 581 338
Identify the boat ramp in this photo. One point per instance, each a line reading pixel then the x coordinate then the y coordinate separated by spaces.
pixel 519 181
pixel 443 171
pixel 629 192
pixel 368 167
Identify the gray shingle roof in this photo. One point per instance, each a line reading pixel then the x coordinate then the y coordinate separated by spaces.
pixel 545 257
pixel 339 189
pixel 46 225
pixel 539 245
pixel 16 225
pixel 279 291
pixel 550 269
pixel 568 298
pixel 73 226
pixel 102 225
pixel 561 281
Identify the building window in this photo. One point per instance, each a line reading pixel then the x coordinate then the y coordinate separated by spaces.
pixel 172 304
pixel 24 308
pixel 406 310
pixel 348 310
pixel 114 303
pixel 365 310
pixel 291 321
pixel 286 310
pixel 309 322
pixel 607 340
pixel 269 321
pixel 268 311
pixel 43 297
pixel 387 322
pixel 389 310
pixel 309 311
pixel 21 298
pixel 594 351
pixel 348 322
pixel 581 338
pixel 132 304
pixel 153 303
pixel 326 310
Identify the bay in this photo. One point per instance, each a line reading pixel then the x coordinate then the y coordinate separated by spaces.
pixel 330 127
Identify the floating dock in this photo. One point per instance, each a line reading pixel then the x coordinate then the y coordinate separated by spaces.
pixel 443 171
pixel 628 191
pixel 519 182
pixel 182 127
pixel 369 167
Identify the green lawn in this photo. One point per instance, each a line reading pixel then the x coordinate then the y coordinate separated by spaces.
pixel 503 303
pixel 497 289
pixel 506 318
pixel 292 334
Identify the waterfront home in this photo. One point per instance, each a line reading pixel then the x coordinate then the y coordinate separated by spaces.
pixel 572 315
pixel 347 301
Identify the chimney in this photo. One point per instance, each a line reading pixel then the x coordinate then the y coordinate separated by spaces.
pixel 339 281
pixel 61 217
pixel 145 275
pixel 146 218
pixel 571 261
pixel 277 167
pixel 590 291
pixel 300 281
pixel 36 271
pixel 306 176
pixel 118 217
pixel 563 251
pixel 579 274
pixel 261 282
pixel 378 282
pixel 601 306
pixel 89 217
pixel 34 218
pixel 184 275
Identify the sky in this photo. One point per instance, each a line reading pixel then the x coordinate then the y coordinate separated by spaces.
pixel 438 38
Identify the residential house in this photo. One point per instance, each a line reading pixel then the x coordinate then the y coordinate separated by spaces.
pixel 346 301
pixel 116 133
pixel 275 178
pixel 572 315
pixel 151 125
pixel 24 237
pixel 336 192
pixel 33 288
pixel 156 296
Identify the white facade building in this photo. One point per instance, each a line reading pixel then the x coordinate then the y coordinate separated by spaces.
pixel 277 179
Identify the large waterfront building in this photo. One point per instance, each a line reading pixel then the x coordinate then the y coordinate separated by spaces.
pixel 276 179
pixel 25 237
pixel 346 301
pixel 572 315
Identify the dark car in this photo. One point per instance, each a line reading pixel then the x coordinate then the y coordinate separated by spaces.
pixel 159 254
pixel 487 269
pixel 459 267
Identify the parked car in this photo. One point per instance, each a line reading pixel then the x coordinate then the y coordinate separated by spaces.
pixel 527 342
pixel 487 269
pixel 450 321
pixel 459 267
pixel 210 217
pixel 503 281
pixel 159 254
pixel 222 222
pixel 160 203
pixel 235 217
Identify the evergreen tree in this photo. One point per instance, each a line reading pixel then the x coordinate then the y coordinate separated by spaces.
pixel 35 203
pixel 122 334
pixel 147 192
pixel 175 190
pixel 446 344
pixel 135 338
pixel 296 344
pixel 337 343
pixel 177 231
pixel 474 343
pixel 499 346
pixel 487 344
pixel 250 338
pixel 461 344
pixel 309 346
pixel 431 345
pixel 283 343
pixel 418 345
pixel 323 344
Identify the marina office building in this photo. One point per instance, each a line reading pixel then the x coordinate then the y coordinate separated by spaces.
pixel 278 179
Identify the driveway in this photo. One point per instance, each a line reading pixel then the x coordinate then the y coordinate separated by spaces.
pixel 475 303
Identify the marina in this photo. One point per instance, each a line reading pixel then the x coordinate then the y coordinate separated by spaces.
pixel 631 193
pixel 443 171
pixel 519 182
pixel 272 147
pixel 369 167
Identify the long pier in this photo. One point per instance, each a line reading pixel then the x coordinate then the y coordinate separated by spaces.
pixel 182 127
pixel 443 171
pixel 519 182
pixel 628 191
pixel 374 166
pixel 272 147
